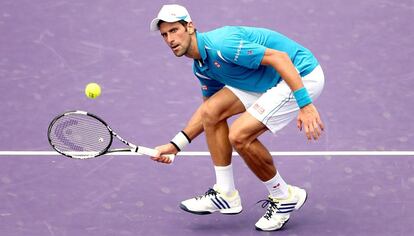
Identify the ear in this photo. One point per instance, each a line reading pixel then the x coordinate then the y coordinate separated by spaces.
pixel 190 28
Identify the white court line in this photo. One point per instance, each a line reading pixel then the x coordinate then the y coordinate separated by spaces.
pixel 194 153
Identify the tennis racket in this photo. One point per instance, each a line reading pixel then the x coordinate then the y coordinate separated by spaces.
pixel 82 135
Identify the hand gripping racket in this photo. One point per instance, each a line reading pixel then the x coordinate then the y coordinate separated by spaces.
pixel 82 135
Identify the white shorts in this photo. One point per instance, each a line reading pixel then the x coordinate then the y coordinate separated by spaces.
pixel 277 106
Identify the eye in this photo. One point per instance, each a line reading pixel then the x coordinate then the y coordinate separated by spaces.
pixel 174 30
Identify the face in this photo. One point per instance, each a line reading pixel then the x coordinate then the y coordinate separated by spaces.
pixel 177 37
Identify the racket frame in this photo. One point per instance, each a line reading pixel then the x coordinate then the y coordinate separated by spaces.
pixel 133 148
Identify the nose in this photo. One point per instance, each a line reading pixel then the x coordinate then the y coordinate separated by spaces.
pixel 169 39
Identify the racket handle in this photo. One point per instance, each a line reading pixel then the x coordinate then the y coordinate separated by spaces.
pixel 153 152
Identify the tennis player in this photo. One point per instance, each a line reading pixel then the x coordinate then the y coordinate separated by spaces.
pixel 267 78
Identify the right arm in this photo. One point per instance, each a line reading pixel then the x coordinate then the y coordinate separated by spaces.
pixel 193 128
pixel 195 125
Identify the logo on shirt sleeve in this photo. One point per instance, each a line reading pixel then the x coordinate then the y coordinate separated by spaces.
pixel 239 48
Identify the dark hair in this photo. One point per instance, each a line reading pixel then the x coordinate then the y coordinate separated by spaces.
pixel 182 22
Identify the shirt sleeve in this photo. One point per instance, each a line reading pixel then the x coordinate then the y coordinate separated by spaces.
pixel 242 52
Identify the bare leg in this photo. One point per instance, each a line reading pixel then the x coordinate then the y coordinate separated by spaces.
pixel 218 143
pixel 216 110
pixel 243 137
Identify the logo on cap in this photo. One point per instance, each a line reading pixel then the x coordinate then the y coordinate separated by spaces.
pixel 181 17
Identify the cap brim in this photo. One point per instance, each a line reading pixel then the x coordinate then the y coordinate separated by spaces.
pixel 154 24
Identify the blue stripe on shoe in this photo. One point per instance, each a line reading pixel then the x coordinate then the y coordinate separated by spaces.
pixel 221 204
pixel 216 204
pixel 284 211
pixel 288 204
pixel 225 202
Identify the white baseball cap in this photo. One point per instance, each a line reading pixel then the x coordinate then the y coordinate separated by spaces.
pixel 170 13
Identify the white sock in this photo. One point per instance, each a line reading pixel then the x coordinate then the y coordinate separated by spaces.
pixel 224 178
pixel 277 187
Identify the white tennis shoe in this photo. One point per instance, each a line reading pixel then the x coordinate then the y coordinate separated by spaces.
pixel 213 201
pixel 278 210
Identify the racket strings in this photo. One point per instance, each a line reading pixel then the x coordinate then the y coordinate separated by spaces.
pixel 80 135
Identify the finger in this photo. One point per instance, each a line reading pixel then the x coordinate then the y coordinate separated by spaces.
pixel 159 158
pixel 307 131
pixel 317 132
pixel 312 131
pixel 299 124
pixel 155 158
pixel 170 157
pixel 321 125
pixel 164 160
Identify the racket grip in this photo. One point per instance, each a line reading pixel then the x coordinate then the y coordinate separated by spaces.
pixel 153 152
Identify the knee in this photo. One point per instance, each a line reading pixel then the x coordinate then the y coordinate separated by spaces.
pixel 209 115
pixel 237 140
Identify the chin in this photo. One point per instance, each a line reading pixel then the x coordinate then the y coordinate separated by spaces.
pixel 179 54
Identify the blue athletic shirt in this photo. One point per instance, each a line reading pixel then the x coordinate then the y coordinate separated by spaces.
pixel 231 55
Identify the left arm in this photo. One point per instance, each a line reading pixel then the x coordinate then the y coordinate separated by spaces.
pixel 308 117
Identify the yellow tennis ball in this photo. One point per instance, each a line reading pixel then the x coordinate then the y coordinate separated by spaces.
pixel 93 90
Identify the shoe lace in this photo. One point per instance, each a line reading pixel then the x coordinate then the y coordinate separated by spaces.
pixel 210 192
pixel 271 207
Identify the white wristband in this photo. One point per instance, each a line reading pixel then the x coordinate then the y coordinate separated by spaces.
pixel 180 141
